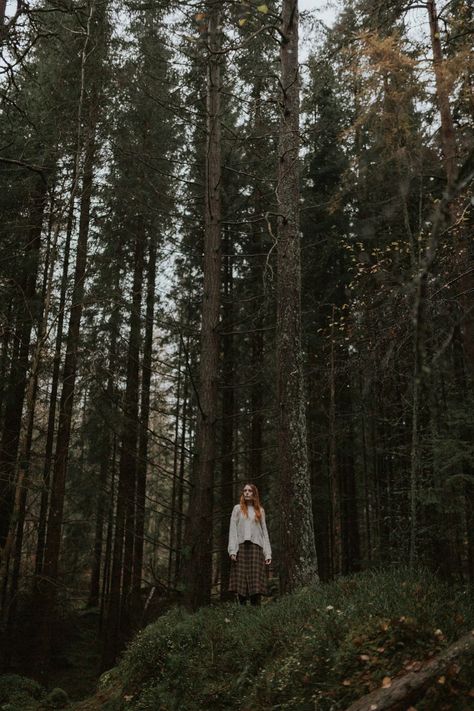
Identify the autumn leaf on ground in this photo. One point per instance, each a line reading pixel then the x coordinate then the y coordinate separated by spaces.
pixel 263 8
pixel 386 682
pixel 242 21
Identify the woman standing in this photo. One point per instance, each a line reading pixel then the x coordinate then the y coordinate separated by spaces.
pixel 249 547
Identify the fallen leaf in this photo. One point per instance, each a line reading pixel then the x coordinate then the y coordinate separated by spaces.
pixel 386 682
pixel 242 21
pixel 442 680
pixel 263 9
pixel 346 682
pixel 364 657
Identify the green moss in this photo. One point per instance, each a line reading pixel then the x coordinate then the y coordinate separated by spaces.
pixel 317 649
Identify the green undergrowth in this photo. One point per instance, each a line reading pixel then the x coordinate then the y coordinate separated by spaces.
pixel 315 650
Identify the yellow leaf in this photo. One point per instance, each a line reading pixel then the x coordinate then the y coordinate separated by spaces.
pixel 242 21
pixel 263 8
pixel 441 680
pixel 386 682
pixel 346 682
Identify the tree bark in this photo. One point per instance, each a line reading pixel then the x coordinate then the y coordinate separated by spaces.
pixel 143 433
pixel 47 587
pixel 407 689
pixel 17 379
pixel 299 564
pixel 227 431
pixel 122 558
pixel 43 513
pixel 197 549
pixel 448 138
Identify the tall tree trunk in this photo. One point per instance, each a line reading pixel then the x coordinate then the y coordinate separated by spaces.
pixel 122 560
pixel 298 552
pixel 102 506
pixel 179 513
pixel 43 513
pixel 173 516
pixel 6 336
pixel 197 567
pixel 19 367
pixel 105 590
pixel 47 590
pixel 23 463
pixel 227 432
pixel 143 433
pixel 448 138
pixel 351 554
pixel 334 476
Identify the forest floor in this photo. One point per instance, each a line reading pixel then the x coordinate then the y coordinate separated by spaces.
pixel 320 649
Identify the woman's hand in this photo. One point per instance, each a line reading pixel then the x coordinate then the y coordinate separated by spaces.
pixel 233 556
pixel 268 561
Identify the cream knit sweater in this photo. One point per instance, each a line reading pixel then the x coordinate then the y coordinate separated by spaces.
pixel 248 529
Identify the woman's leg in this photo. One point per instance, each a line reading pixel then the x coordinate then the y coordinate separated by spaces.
pixel 242 599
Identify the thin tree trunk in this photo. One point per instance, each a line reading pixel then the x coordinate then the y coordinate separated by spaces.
pixel 299 564
pixel 43 513
pixel 143 433
pixel 197 567
pixel 122 559
pixel 6 336
pixel 336 525
pixel 448 139
pixel 26 436
pixel 109 539
pixel 173 520
pixel 17 379
pixel 227 432
pixel 180 492
pixel 94 591
pixel 41 649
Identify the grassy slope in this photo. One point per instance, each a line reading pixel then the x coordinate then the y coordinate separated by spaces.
pixel 316 650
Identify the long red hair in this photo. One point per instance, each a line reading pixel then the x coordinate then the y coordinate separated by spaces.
pixel 256 502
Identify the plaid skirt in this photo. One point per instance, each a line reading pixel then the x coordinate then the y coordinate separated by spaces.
pixel 248 574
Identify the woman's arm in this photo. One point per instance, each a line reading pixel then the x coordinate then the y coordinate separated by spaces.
pixel 233 547
pixel 267 549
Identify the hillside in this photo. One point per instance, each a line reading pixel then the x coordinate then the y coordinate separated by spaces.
pixel 318 649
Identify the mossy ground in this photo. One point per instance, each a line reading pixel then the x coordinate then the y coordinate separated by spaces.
pixel 318 649
pixel 315 650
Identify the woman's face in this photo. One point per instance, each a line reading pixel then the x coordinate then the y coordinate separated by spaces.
pixel 248 493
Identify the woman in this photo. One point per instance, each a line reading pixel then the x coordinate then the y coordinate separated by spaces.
pixel 249 547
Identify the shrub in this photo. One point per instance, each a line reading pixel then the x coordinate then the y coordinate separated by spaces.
pixel 19 693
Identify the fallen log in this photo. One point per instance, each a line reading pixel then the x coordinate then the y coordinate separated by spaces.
pixel 405 690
